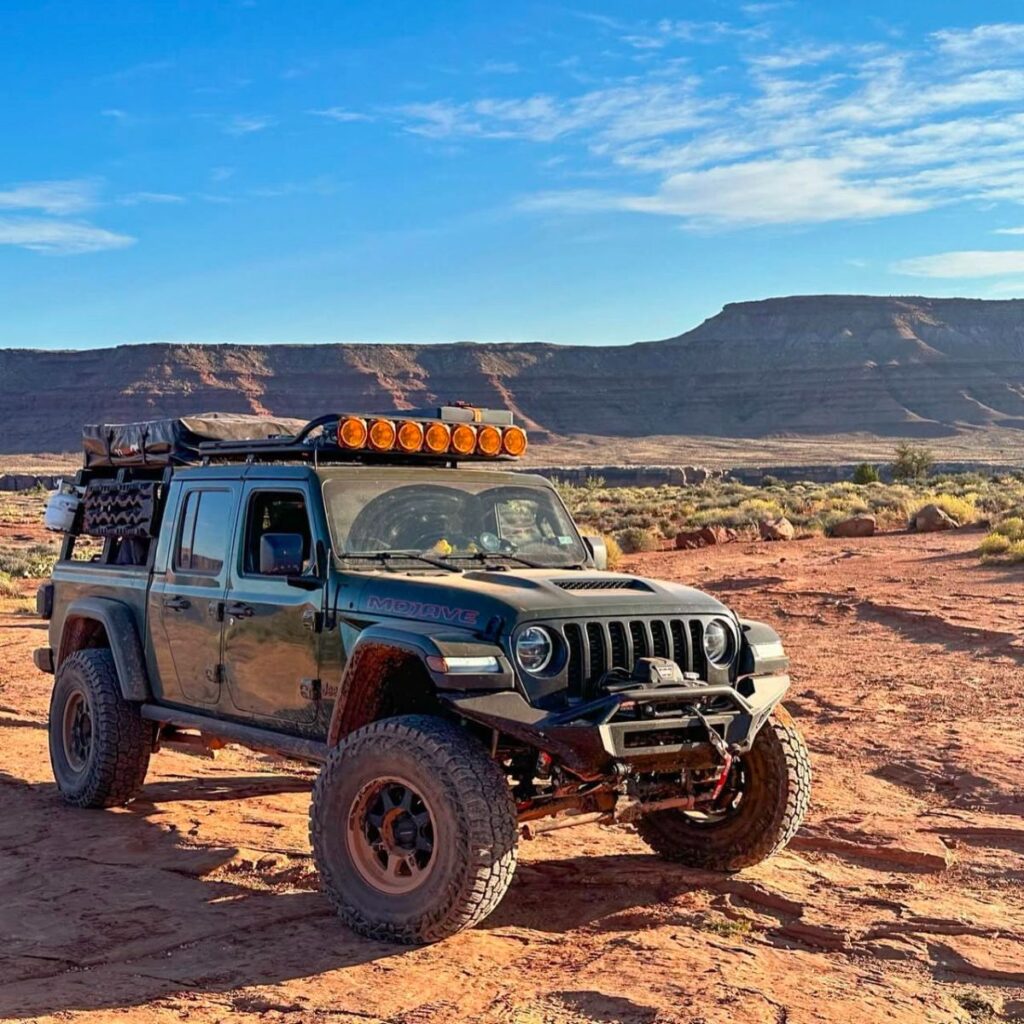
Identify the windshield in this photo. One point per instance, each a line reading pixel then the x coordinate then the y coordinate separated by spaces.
pixel 470 516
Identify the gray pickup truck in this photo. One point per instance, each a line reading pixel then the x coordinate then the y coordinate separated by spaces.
pixel 438 637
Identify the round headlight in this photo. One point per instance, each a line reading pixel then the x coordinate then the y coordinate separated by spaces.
pixel 717 641
pixel 534 649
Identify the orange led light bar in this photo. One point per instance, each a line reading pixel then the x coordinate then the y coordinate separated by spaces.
pixel 463 439
pixel 488 441
pixel 382 435
pixel 410 436
pixel 513 441
pixel 352 432
pixel 438 438
pixel 430 437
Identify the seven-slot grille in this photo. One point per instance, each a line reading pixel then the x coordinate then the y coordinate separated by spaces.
pixel 598 646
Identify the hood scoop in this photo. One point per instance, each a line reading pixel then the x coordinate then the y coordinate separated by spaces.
pixel 604 583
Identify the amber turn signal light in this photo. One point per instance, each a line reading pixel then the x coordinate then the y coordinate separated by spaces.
pixel 488 441
pixel 463 439
pixel 352 432
pixel 513 441
pixel 410 436
pixel 382 435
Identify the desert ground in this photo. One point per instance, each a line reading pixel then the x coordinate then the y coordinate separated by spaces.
pixel 901 899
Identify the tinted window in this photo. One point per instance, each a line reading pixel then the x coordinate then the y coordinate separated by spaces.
pixel 275 512
pixel 205 532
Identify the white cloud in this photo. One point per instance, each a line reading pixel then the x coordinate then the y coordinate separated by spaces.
pixel 800 132
pixel 340 114
pixel 1009 231
pixel 982 43
pixel 57 197
pixel 247 124
pixel 499 67
pixel 59 237
pixel 967 263
pixel 138 198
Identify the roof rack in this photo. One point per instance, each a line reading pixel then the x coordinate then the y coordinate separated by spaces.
pixel 453 433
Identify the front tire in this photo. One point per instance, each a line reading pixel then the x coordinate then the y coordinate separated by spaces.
pixel 772 801
pixel 413 829
pixel 99 743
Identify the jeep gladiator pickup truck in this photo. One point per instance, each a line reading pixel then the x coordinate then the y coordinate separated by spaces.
pixel 379 596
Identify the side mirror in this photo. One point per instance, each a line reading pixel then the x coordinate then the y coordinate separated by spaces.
pixel 598 551
pixel 281 554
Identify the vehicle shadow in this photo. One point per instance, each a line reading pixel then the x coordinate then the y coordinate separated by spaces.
pixel 111 909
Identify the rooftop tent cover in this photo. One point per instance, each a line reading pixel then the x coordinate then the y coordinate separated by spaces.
pixel 166 441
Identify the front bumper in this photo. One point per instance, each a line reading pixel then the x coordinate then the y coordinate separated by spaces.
pixel 646 729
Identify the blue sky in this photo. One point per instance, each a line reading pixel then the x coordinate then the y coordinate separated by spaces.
pixel 263 171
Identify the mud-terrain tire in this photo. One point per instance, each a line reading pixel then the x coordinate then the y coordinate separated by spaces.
pixel 99 743
pixel 774 801
pixel 425 781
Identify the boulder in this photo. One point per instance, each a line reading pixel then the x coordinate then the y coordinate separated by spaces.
pixel 704 537
pixel 932 518
pixel 855 526
pixel 776 529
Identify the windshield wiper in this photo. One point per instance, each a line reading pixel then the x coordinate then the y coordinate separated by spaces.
pixel 486 556
pixel 391 556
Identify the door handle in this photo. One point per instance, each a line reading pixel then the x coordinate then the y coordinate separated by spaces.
pixel 177 604
pixel 239 610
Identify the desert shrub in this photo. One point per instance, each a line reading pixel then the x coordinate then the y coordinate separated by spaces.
pixel 7 587
pixel 614 551
pixel 866 473
pixel 634 539
pixel 912 462
pixel 995 544
pixel 28 563
pixel 1015 553
pixel 1012 528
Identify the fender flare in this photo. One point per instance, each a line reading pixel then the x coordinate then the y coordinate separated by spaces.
pixel 761 650
pixel 118 623
pixel 381 648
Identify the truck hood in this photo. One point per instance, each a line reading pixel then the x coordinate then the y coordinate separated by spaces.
pixel 474 598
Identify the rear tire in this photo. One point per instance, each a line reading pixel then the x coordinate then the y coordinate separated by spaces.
pixel 413 829
pixel 776 792
pixel 99 743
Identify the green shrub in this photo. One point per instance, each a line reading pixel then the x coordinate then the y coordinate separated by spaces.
pixel 614 551
pixel 1012 528
pixel 995 544
pixel 635 538
pixel 866 473
pixel 28 563
pixel 7 588
pixel 912 462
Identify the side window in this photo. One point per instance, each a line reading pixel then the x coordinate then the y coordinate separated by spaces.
pixel 278 540
pixel 205 532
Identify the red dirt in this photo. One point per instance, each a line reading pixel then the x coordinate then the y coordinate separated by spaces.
pixel 902 899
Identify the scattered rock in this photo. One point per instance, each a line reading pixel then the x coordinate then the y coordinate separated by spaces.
pixel 931 518
pixel 703 538
pixel 776 529
pixel 855 526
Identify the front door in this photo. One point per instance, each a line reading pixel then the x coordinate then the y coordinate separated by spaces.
pixel 190 601
pixel 271 628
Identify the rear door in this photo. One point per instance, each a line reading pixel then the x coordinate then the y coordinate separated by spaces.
pixel 190 599
pixel 271 628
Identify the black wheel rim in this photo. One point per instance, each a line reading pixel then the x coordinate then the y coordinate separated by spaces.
pixel 76 731
pixel 391 837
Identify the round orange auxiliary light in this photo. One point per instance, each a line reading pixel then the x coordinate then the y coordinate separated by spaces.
pixel 352 432
pixel 382 435
pixel 463 439
pixel 437 438
pixel 513 441
pixel 410 436
pixel 488 441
